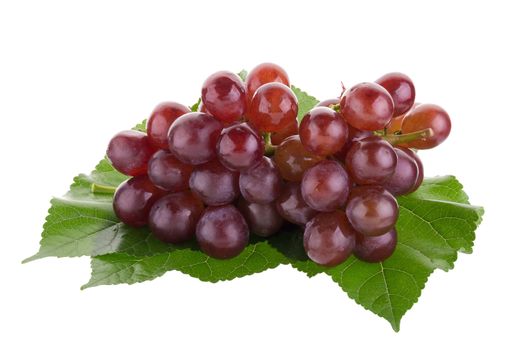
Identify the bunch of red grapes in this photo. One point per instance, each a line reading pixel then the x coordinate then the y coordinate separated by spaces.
pixel 242 164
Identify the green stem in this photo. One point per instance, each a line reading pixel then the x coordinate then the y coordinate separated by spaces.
pixel 269 149
pixel 102 189
pixel 405 138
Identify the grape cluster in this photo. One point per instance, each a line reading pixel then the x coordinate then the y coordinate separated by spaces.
pixel 242 163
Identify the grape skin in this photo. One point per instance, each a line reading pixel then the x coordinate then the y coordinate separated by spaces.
pixel 129 152
pixel 133 200
pixel 401 89
pixel 222 232
pixel 263 219
pixel 423 117
pixel 262 183
pixel 160 121
pixel 403 180
pixel 371 210
pixel 265 73
pixel 375 249
pixel 173 218
pixel 214 184
pixel 169 173
pixel 329 239
pixel 323 131
pixel 193 137
pixel 371 161
pixel 224 96
pixel 325 186
pixel 273 107
pixel 239 147
pixel 367 106
pixel 292 207
pixel 292 159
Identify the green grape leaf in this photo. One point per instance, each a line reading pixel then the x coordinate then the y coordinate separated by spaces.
pixel 305 101
pixel 124 268
pixel 435 223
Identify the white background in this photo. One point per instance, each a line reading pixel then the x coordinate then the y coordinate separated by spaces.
pixel 72 74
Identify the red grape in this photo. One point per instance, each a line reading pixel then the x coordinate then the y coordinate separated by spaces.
pixel 423 117
pixel 323 131
pixel 214 184
pixel 375 248
pixel 133 200
pixel 292 206
pixel 129 152
pixel 239 147
pixel 263 219
pixel 224 96
pixel 262 183
pixel 160 121
pixel 193 137
pixel 403 180
pixel 420 171
pixel 222 232
pixel 325 186
pixel 372 210
pixel 273 107
pixel 371 161
pixel 173 218
pixel 292 159
pixel 367 106
pixel 169 173
pixel 263 74
pixel 401 89
pixel 329 239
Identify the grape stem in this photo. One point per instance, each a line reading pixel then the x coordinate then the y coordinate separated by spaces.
pixel 269 149
pixel 398 139
pixel 102 189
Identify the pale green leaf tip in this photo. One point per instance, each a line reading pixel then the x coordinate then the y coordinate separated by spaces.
pixel 31 258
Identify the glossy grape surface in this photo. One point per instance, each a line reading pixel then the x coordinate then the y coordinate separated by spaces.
pixel 292 206
pixel 173 218
pixel 427 116
pixel 224 96
pixel 372 210
pixel 292 159
pixel 265 73
pixel 420 169
pixel 325 186
pixel 239 147
pixel 214 184
pixel 323 131
pixel 371 161
pixel 367 106
pixel 133 200
pixel 403 180
pixel 169 173
pixel 193 137
pixel 262 183
pixel 375 248
pixel 129 152
pixel 263 219
pixel 273 107
pixel 160 121
pixel 329 239
pixel 222 232
pixel 401 89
